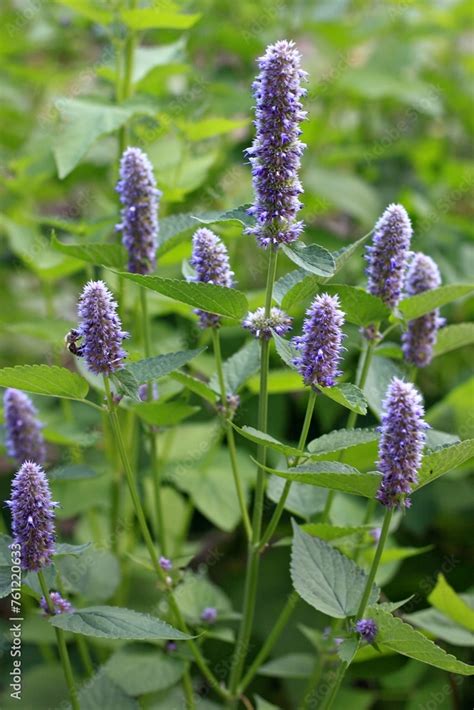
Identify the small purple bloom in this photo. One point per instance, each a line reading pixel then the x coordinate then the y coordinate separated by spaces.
pixel 387 257
pixel 144 393
pixel 171 646
pixel 209 614
pixel 375 534
pixel 210 260
pixel 32 512
pixel 367 628
pixel 24 439
pixel 320 345
pixel 261 326
pixel 420 337
pixel 60 605
pixel 166 564
pixel 100 329
pixel 401 443
pixel 139 197
pixel 275 155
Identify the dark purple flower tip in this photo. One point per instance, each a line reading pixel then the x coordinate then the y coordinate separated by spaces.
pixel 420 337
pixel 166 564
pixel 275 155
pixel 24 439
pixel 60 605
pixel 209 614
pixel 262 326
pixel 367 628
pixel 401 443
pixel 100 329
pixel 210 261
pixel 320 345
pixel 139 197
pixel 32 512
pixel 387 257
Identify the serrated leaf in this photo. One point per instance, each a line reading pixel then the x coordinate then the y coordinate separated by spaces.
pixel 138 671
pixel 312 257
pixel 111 255
pixel 285 350
pixel 435 463
pixel 302 500
pixel 402 638
pixel 327 580
pixel 416 306
pixel 47 380
pixel 263 439
pixel 143 371
pixel 441 627
pixel 359 306
pixel 116 623
pixel 452 337
pixel 342 256
pixel 164 414
pixel 173 230
pixel 350 396
pixel 446 600
pixel 334 475
pixel 238 368
pixel 197 386
pixel 220 300
pixel 294 665
pixel 237 214
pixel 169 18
pixel 342 439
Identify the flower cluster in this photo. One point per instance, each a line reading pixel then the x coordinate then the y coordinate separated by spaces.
pixel 320 345
pixel 261 326
pixel 387 257
pixel 32 512
pixel 367 628
pixel 139 197
pixel 276 152
pixel 401 443
pixel 420 337
pixel 210 261
pixel 100 329
pixel 24 439
pixel 60 605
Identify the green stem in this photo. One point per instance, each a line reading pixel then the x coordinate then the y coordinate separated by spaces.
pixel 230 435
pixel 313 682
pixel 62 647
pixel 80 640
pixel 275 519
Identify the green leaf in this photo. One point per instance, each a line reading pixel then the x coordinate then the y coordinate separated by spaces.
pixel 147 58
pixel 312 258
pixel 285 350
pixel 210 127
pixel 402 638
pixel 46 380
pixel 237 214
pixel 259 437
pixel 195 593
pixel 96 577
pixel 441 627
pixel 443 460
pixel 342 256
pixel 327 580
pixel 279 381
pixel 64 548
pixel 302 500
pixel 359 306
pixel 238 368
pixel 111 255
pixel 293 665
pixel 89 9
pixel 164 414
pixel 197 386
pixel 328 532
pixel 138 671
pixel 348 395
pixel 116 623
pixel 416 306
pixel 101 692
pixel 444 598
pixel 453 337
pixel 158 18
pixel 283 287
pixel 334 475
pixel 342 439
pixel 72 472
pixel 381 372
pixel 173 230
pixel 143 371
pixel 220 300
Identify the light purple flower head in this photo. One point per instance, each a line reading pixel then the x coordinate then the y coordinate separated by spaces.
pixel 139 197
pixel 209 615
pixel 420 337
pixel 32 512
pixel 60 605
pixel 100 329
pixel 387 257
pixel 166 564
pixel 320 345
pixel 367 628
pixel 261 327
pixel 210 261
pixel 401 443
pixel 275 155
pixel 23 430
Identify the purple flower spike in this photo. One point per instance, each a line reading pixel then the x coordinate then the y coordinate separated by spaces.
pixel 139 197
pixel 275 155
pixel 100 329
pixel 261 327
pixel 420 337
pixel 367 628
pixel 32 512
pixel 401 443
pixel 209 615
pixel 320 345
pixel 60 605
pixel 23 430
pixel 387 257
pixel 211 263
pixel 166 564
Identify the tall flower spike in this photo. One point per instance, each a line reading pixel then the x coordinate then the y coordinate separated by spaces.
pixel 23 430
pixel 210 260
pixel 401 443
pixel 32 512
pixel 139 197
pixel 100 329
pixel 420 337
pixel 387 257
pixel 275 155
pixel 320 345
pixel 60 605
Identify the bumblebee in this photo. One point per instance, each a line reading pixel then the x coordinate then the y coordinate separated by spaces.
pixel 70 342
